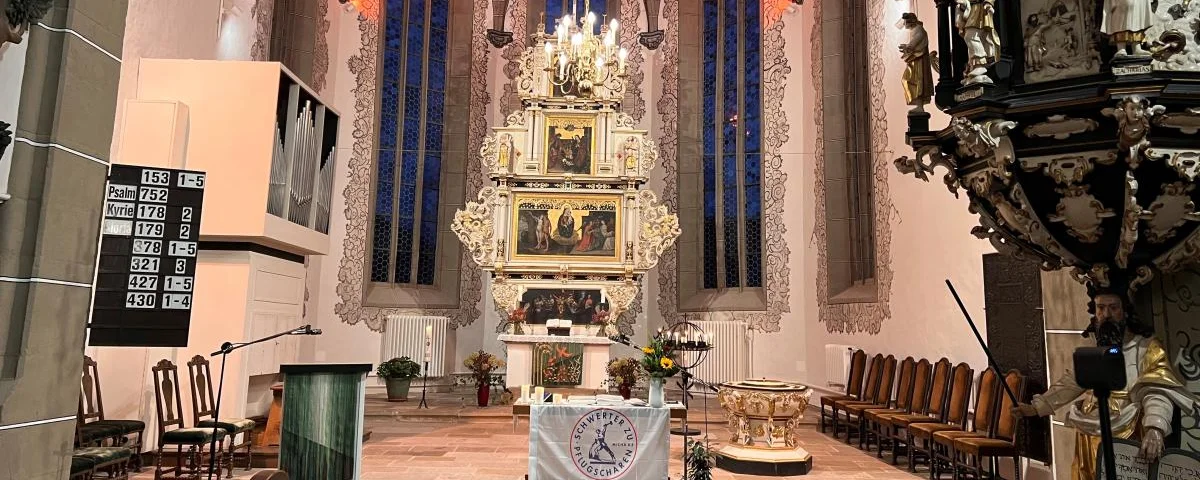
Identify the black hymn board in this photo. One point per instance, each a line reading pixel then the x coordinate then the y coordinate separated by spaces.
pixel 149 241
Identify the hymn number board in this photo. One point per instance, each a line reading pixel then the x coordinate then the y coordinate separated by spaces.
pixel 149 243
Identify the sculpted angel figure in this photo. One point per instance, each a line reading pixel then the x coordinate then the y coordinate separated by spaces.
pixel 18 15
pixel 1125 22
pixel 974 21
pixel 918 77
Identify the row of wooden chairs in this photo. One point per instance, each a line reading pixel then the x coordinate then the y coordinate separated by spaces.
pixel 927 416
pixel 94 430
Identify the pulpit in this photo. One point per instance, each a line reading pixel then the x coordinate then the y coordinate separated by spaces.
pixel 557 361
pixel 323 420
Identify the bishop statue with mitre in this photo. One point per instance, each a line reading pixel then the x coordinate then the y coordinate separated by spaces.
pixel 1143 411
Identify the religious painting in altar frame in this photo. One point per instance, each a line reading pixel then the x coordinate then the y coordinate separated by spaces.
pixel 565 226
pixel 579 305
pixel 557 364
pixel 570 144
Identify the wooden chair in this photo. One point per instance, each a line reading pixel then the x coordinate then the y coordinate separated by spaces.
pixel 931 409
pixel 854 383
pixel 171 430
pixel 203 405
pixel 907 395
pixel 81 468
pixel 1000 444
pixel 113 461
pixel 871 386
pixel 982 424
pixel 920 435
pixel 882 400
pixel 92 428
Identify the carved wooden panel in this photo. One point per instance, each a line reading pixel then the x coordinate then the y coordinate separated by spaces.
pixel 1016 335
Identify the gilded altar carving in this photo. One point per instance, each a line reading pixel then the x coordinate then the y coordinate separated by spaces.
pixel 1133 115
pixel 658 231
pixel 475 224
pixel 764 414
pixel 1170 210
pixel 922 169
pixel 1061 127
pixel 1081 212
pixel 1129 222
pixel 506 295
pixel 1069 169
pixel 1187 122
pixel 1185 162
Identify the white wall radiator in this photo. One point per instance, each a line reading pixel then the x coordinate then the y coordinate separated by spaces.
pixel 837 365
pixel 404 336
pixel 729 360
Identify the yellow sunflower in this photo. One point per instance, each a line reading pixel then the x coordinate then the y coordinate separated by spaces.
pixel 648 350
pixel 666 363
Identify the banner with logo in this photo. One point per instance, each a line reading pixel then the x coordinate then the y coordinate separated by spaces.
pixel 598 443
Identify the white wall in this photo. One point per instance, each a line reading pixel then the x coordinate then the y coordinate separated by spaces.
pixel 12 71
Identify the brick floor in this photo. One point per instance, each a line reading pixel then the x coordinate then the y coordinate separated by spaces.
pixel 451 441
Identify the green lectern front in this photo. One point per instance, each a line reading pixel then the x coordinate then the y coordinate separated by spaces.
pixel 322 420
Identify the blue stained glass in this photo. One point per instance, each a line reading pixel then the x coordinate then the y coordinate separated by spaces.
pixel 381 246
pixel 412 134
pixel 753 135
pixel 412 102
pixel 416 40
pixel 428 235
pixel 395 10
pixel 416 11
pixel 554 12
pixel 710 108
pixel 753 167
pixel 391 36
pixel 710 253
pixel 433 141
pixel 383 181
pixel 729 138
pixel 408 200
pixel 439 11
pixel 403 266
pixel 408 169
pixel 429 207
pixel 731 255
pixel 437 43
pixel 426 268
pixel 391 65
pixel 434 104
pixel 431 176
pixel 754 270
pixel 710 14
pixel 387 132
pixel 729 175
pixel 412 70
pixel 710 77
pixel 437 75
pixel 710 140
pixel 753 202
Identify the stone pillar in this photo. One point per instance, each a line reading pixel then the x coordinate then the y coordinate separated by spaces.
pixel 50 227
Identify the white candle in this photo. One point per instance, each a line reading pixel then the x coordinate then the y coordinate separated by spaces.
pixel 549 52
pixel 621 54
pixel 539 394
pixel 525 393
pixel 612 26
pixel 557 398
pixel 428 343
pixel 562 65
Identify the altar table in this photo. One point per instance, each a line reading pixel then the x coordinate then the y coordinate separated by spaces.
pixel 598 442
pixel 520 357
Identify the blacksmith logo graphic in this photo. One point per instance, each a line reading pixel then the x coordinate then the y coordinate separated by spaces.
pixel 603 444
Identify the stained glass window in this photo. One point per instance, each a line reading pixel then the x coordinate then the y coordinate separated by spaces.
pixel 408 175
pixel 555 9
pixel 731 161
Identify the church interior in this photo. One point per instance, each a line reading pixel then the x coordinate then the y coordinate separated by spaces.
pixel 599 239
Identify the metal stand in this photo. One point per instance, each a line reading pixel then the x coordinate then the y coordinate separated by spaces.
pixel 424 383
pixel 685 383
pixel 226 349
pixel 1106 438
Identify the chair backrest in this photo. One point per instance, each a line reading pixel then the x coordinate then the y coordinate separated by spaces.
pixel 166 392
pixel 854 382
pixel 985 402
pixel 904 386
pixel 203 399
pixel 887 381
pixel 1006 424
pixel 960 394
pixel 939 390
pixel 874 375
pixel 918 395
pixel 91 405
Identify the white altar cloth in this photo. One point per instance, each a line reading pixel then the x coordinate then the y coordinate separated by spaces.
pixel 520 357
pixel 598 443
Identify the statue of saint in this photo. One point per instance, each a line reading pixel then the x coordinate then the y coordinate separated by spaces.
pixel 1125 22
pixel 918 77
pixel 1142 412
pixel 18 15
pixel 978 29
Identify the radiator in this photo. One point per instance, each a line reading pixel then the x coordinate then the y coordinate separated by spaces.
pixel 729 359
pixel 837 364
pixel 404 336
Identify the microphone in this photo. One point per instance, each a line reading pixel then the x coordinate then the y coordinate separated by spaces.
pixel 309 330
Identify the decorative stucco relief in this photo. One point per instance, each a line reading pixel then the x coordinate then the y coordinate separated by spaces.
pixel 352 270
pixel 775 249
pixel 856 317
pixel 321 49
pixel 262 13
pixel 518 11
pixel 634 104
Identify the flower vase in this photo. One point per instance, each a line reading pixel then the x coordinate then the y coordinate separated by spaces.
pixel 626 390
pixel 517 329
pixel 602 331
pixel 656 392
pixel 482 395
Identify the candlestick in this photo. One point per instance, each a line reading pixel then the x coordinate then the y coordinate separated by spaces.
pixel 621 54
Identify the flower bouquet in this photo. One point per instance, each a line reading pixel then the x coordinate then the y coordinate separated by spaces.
pixel 624 373
pixel 658 364
pixel 601 318
pixel 517 319
pixel 482 364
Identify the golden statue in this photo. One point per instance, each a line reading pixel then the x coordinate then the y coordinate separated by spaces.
pixel 505 147
pixel 1142 412
pixel 918 77
pixel 978 29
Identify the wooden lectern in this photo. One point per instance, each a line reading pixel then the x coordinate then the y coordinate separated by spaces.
pixel 323 420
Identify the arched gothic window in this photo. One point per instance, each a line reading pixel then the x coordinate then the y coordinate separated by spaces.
pixel 555 9
pixel 731 127
pixel 409 201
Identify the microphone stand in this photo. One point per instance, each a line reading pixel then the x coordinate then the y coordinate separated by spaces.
pixel 226 348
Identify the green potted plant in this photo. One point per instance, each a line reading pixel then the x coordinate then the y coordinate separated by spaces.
pixel 482 364
pixel 398 373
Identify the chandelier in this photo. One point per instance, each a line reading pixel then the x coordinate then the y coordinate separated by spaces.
pixel 577 59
